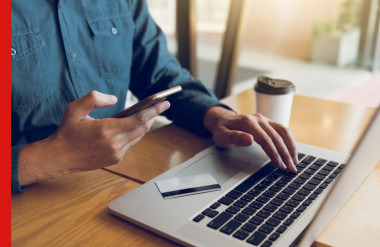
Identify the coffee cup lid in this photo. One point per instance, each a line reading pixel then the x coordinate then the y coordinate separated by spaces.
pixel 269 85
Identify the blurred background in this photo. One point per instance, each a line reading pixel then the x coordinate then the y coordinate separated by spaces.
pixel 329 49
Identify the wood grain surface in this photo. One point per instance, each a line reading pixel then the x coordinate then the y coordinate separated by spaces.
pixel 73 211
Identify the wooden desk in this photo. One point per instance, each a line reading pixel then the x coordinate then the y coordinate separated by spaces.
pixel 72 210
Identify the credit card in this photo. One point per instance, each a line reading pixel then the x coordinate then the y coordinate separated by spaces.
pixel 188 185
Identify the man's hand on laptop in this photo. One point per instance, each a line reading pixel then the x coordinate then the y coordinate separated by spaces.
pixel 229 129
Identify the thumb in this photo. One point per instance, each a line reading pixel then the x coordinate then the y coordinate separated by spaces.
pixel 92 100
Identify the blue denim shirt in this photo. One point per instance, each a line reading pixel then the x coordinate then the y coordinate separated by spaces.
pixel 63 49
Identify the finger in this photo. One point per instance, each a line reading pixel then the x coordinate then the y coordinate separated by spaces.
pixel 265 141
pixel 252 125
pixel 227 138
pixel 288 139
pixel 142 117
pixel 87 103
pixel 281 148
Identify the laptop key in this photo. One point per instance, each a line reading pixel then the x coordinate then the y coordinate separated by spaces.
pixel 292 203
pixel 295 215
pixel 286 209
pixel 215 205
pixel 261 187
pixel 295 185
pixel 226 201
pixel 269 193
pixel 240 234
pixel 283 196
pixel 273 221
pixel 300 156
pixel 289 191
pixel 233 209
pixel 281 183
pixel 277 188
pixel 300 180
pixel 332 163
pixel 328 167
pixel 305 176
pixel 304 192
pixel 309 159
pixel 319 176
pixel 266 228
pixel 281 229
pixel 234 194
pixel 263 213
pixel 314 166
pixel 320 162
pixel 206 211
pixel 288 221
pixel 270 207
pixel 280 215
pixel 256 205
pixel 219 220
pixel 263 199
pixel 256 238
pixel 249 210
pixel 307 202
pixel 277 201
pixel 298 197
pixel 323 185
pixel 253 179
pixel 274 236
pixel 309 186
pixel 240 203
pixel 313 196
pixel 212 214
pixel 248 227
pixel 323 173
pixel 310 171
pixel 301 208
pixel 198 218
pixel 256 220
pixel 267 244
pixel 241 217
pixel 254 192
pixel 230 227
pixel 247 198
pixel 318 190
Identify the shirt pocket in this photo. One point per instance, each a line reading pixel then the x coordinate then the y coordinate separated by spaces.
pixel 113 42
pixel 30 79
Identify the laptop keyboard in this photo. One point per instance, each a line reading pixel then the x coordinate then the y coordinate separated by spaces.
pixel 266 204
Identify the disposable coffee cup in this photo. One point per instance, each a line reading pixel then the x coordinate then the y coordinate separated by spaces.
pixel 274 98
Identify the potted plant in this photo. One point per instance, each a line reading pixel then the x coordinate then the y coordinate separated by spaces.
pixel 337 41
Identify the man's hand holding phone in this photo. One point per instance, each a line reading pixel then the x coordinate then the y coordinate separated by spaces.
pixel 83 143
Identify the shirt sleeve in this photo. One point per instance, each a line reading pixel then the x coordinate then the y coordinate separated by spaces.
pixel 155 69
pixel 15 185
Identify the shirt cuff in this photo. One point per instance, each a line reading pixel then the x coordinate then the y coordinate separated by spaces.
pixel 15 185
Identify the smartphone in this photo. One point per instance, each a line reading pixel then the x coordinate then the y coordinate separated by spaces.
pixel 148 101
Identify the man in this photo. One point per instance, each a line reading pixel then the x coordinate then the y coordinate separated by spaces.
pixel 72 64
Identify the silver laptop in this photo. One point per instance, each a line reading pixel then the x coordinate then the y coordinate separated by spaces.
pixel 237 197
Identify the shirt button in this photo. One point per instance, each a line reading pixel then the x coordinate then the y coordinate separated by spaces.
pixel 13 52
pixel 114 30
pixel 73 55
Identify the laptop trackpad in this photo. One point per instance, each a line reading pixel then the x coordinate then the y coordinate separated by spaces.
pixel 221 167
